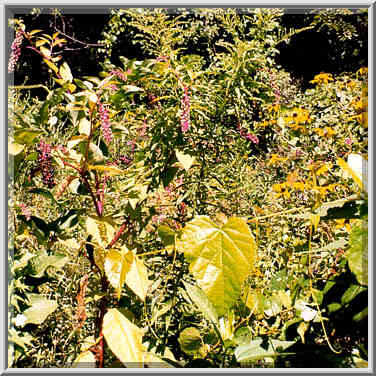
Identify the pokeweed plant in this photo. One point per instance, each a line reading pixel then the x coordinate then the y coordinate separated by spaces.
pixel 142 183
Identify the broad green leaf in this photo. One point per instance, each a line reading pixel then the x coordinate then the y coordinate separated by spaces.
pixel 185 159
pixel 220 257
pixel 123 338
pixel 26 136
pixel 351 293
pixel 254 300
pixel 202 302
pixel 357 255
pixel 137 276
pixel 95 153
pixel 39 310
pixel 44 192
pixel 14 148
pixel 190 340
pixel 42 261
pixel 85 360
pixel 257 350
pixel 84 127
pixel 116 266
pixel 65 72
pixel 160 312
pixel 166 234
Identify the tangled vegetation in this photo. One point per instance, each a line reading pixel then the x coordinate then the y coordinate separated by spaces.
pixel 187 209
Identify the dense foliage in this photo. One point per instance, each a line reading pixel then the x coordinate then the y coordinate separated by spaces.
pixel 194 207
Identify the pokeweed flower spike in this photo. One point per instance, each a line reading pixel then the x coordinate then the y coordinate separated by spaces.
pixel 185 111
pixel 105 122
pixel 25 211
pixel 44 160
pixel 119 74
pixel 248 136
pixel 16 51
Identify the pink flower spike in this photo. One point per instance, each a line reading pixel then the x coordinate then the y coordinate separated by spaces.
pixel 348 141
pixel 25 211
pixel 105 122
pixel 16 51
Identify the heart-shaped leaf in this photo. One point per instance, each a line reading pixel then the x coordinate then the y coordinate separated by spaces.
pixel 220 257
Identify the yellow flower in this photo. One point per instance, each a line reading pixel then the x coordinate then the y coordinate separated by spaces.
pixel 322 78
pixel 299 186
pixel 275 159
pixel 324 168
pixel 362 71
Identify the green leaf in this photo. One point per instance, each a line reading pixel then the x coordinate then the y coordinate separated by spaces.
pixel 131 88
pixel 361 315
pixel 123 338
pixel 39 310
pixel 202 302
pixel 357 255
pixel 26 136
pixel 185 159
pixel 220 257
pixel 190 340
pixel 351 293
pixel 167 235
pixel 44 192
pixel 42 261
pixel 257 350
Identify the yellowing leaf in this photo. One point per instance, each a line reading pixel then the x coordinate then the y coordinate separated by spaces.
pixel 315 220
pixel 345 167
pixel 14 148
pixel 65 72
pixel 220 257
pixel 116 266
pixel 85 360
pixel 137 276
pixel 84 127
pixel 109 170
pixel 185 159
pixel 101 229
pixel 51 65
pixel 123 338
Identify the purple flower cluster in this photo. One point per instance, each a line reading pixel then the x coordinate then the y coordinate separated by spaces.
pixel 119 74
pixel 45 165
pixel 16 51
pixel 273 83
pixel 25 211
pixel 105 122
pixel 246 135
pixel 185 111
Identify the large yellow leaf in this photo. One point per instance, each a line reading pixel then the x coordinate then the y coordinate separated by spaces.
pixel 220 257
pixel 116 266
pixel 123 338
pixel 137 276
pixel 65 72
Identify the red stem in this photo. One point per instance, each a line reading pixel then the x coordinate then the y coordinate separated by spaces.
pixel 118 234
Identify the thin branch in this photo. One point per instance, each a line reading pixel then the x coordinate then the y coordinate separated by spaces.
pixel 78 41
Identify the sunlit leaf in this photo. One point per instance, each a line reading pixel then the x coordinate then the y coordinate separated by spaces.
pixel 65 72
pixel 256 349
pixel 14 148
pixel 85 360
pixel 116 266
pixel 185 159
pixel 123 338
pixel 137 276
pixel 84 127
pixel 39 310
pixel 220 257
pixel 42 261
